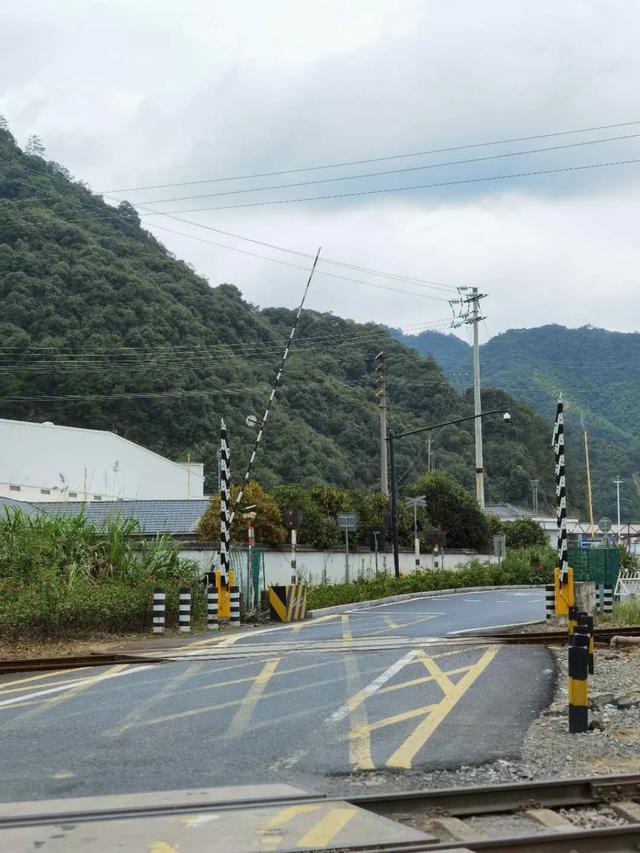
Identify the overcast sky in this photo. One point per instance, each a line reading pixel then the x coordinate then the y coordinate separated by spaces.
pixel 130 93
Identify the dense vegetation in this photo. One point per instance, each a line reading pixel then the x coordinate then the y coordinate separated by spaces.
pixel 103 328
pixel 451 517
pixel 64 576
pixel 597 371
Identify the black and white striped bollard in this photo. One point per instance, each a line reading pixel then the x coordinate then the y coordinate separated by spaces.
pixel 184 610
pixel 234 602
pixel 549 600
pixel 607 600
pixel 158 610
pixel 212 609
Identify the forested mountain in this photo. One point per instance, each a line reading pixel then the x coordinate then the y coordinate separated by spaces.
pixel 599 374
pixel 102 327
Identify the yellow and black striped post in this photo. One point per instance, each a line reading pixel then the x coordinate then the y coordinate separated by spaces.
pixel 586 622
pixel 288 603
pixel 577 688
pixel 572 620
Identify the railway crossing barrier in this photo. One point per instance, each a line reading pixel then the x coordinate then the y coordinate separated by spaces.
pixel 184 611
pixel 158 610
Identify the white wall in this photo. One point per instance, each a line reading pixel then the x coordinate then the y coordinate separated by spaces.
pixel 314 566
pixel 37 457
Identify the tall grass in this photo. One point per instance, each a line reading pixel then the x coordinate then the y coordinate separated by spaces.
pixel 66 576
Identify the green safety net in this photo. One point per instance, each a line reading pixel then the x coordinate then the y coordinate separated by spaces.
pixel 600 565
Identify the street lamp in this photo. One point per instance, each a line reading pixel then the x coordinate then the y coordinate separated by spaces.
pixel 415 503
pixel 391 440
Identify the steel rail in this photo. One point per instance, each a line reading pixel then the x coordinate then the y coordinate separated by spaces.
pixel 588 790
pixel 71 662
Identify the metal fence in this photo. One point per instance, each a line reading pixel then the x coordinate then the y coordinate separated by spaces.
pixel 600 565
pixel 249 571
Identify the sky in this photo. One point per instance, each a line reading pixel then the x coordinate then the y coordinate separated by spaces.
pixel 143 93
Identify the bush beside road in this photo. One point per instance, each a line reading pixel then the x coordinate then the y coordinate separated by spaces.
pixel 523 566
pixel 67 577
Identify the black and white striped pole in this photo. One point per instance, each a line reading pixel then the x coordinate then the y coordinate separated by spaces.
pixel 607 600
pixel 225 497
pixel 549 600
pixel 234 597
pixel 184 610
pixel 158 610
pixel 212 609
pixel 561 494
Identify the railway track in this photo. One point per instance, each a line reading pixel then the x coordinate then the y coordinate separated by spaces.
pixel 583 815
pixel 601 635
pixel 7 667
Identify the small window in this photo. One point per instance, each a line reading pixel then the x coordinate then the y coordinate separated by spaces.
pixel 14 488
pixel 45 491
pixel 97 497
pixel 73 494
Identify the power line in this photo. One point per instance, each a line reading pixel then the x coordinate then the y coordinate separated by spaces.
pixel 358 193
pixel 381 159
pixel 388 171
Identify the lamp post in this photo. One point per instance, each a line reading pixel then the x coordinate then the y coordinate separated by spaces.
pixel 392 437
pixel 415 503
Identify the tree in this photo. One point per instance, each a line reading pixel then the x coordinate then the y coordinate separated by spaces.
pixel 35 146
pixel 267 523
pixel 453 510
pixel 524 533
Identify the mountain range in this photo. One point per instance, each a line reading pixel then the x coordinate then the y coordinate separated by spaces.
pixel 102 327
pixel 598 373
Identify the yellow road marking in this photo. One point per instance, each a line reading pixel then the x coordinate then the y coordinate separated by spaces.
pixel 141 708
pixel 406 752
pixel 308 623
pixel 271 829
pixel 414 682
pixel 231 703
pixel 244 713
pixel 327 828
pixel 3 687
pixel 71 693
pixel 399 718
pixel 444 682
pixel 423 618
pixel 346 630
pixel 360 743
pixel 161 847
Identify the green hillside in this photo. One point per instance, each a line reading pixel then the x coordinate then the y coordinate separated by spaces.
pixel 599 374
pixel 102 327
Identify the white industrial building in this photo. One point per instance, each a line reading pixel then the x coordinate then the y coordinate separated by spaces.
pixel 45 462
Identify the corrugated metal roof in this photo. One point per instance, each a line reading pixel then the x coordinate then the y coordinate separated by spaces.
pixel 509 511
pixel 154 516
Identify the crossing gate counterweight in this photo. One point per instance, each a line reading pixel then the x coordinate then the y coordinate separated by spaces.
pixel 288 603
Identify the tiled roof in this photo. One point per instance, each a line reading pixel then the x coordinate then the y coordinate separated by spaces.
pixel 155 516
pixel 24 506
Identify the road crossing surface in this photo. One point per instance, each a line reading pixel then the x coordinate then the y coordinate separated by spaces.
pixel 394 688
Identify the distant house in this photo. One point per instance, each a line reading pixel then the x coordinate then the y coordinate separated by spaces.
pixel 43 462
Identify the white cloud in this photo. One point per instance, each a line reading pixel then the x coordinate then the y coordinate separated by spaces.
pixel 131 92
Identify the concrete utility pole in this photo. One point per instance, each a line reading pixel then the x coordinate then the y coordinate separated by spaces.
pixel 534 489
pixel 618 483
pixel 381 394
pixel 477 402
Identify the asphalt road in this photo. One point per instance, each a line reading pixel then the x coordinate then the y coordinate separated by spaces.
pixel 397 687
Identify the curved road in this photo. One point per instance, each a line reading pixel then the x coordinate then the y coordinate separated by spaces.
pixel 395 687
